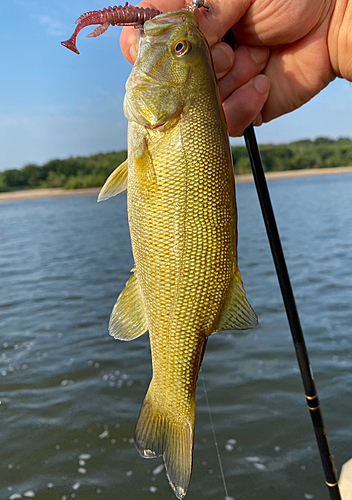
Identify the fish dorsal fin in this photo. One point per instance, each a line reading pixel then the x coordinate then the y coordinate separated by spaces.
pixel 237 313
pixel 127 320
pixel 115 183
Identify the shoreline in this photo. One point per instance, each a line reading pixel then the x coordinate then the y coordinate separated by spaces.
pixel 59 192
pixel 289 174
pixel 32 194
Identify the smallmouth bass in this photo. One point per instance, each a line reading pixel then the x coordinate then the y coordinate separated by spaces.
pixel 186 284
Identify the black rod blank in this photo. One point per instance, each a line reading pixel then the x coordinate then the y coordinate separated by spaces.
pixel 292 314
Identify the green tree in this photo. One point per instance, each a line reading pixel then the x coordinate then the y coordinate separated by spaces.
pixel 14 178
pixel 34 175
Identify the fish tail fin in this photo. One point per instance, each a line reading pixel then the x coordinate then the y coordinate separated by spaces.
pixel 159 432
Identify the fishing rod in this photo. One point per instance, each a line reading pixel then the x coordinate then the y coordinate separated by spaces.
pixel 290 305
pixel 292 314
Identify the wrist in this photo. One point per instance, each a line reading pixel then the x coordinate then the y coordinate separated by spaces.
pixel 340 39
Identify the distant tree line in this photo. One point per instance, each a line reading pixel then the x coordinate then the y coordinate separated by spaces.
pixel 92 171
pixel 70 173
pixel 320 153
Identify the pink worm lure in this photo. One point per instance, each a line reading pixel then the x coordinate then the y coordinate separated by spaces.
pixel 120 16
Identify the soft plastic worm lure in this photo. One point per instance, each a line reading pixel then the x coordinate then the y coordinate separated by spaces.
pixel 121 16
pixel 118 16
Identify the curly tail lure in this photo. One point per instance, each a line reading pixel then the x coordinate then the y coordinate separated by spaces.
pixel 118 16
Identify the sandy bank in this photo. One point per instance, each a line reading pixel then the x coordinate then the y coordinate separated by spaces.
pixel 46 193
pixel 297 173
pixel 59 192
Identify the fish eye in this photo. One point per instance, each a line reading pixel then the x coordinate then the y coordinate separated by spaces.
pixel 182 48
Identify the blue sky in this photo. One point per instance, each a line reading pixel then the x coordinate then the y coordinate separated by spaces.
pixel 55 104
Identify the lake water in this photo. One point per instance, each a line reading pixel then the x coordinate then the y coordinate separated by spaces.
pixel 70 394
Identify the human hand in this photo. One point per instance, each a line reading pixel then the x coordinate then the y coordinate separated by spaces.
pixel 308 42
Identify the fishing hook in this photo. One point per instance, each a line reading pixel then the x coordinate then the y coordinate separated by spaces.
pixel 197 4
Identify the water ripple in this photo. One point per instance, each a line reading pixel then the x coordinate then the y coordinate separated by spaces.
pixel 71 394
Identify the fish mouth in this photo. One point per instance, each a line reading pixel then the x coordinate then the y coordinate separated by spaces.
pixel 155 127
pixel 167 123
pixel 144 80
pixel 152 121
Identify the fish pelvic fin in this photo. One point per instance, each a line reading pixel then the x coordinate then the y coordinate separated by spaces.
pixel 128 318
pixel 159 432
pixel 237 313
pixel 115 183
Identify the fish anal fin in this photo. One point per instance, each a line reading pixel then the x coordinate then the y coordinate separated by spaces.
pixel 237 313
pixel 127 320
pixel 115 183
pixel 159 432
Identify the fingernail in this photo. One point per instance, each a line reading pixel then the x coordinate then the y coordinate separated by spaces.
pixel 259 54
pixel 262 83
pixel 223 59
pixel 134 52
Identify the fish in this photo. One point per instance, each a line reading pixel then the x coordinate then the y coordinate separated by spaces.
pixel 186 284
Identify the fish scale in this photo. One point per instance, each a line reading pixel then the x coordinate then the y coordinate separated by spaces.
pixel 183 222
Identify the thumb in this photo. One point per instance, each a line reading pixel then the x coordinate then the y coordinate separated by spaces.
pixel 223 15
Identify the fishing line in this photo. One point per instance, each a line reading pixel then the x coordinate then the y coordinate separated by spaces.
pixel 214 437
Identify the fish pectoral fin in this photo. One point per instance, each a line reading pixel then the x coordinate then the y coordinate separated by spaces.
pixel 159 432
pixel 115 183
pixel 128 319
pixel 237 313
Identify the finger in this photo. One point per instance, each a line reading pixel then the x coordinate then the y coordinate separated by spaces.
pixel 223 58
pixel 129 44
pixel 223 15
pixel 248 62
pixel 244 105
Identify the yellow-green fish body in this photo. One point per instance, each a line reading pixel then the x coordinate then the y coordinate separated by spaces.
pixel 183 221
